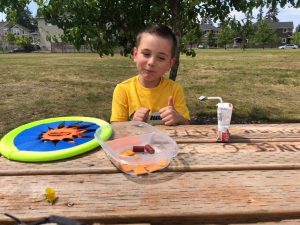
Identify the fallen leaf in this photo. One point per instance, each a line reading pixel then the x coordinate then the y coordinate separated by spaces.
pixel 50 195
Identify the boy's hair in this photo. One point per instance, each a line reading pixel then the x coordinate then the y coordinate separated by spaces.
pixel 161 31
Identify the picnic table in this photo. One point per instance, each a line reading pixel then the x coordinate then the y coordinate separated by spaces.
pixel 255 178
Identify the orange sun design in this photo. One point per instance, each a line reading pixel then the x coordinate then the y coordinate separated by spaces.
pixel 66 133
pixel 58 134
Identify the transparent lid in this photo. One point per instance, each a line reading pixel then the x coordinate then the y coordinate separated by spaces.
pixel 128 136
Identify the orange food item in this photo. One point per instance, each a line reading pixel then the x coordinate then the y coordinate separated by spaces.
pixel 163 163
pixel 140 169
pixel 126 167
pixel 128 153
pixel 152 167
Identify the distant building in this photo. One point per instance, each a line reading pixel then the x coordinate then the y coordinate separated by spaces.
pixel 47 30
pixel 18 30
pixel 284 30
pixel 206 28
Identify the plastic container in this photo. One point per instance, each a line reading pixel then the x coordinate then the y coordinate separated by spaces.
pixel 126 135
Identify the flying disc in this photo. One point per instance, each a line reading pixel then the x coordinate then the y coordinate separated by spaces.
pixel 53 139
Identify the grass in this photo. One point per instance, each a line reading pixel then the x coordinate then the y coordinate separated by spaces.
pixel 263 85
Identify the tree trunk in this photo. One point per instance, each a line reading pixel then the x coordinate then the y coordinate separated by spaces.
pixel 176 26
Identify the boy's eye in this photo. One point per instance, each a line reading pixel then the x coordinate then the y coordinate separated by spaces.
pixel 146 54
pixel 161 58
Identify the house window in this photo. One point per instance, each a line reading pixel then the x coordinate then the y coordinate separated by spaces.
pixel 284 30
pixel 283 40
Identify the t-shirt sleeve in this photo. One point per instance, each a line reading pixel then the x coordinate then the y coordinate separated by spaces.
pixel 179 102
pixel 119 109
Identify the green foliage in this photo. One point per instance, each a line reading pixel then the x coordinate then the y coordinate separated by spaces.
pixel 192 37
pixel 10 38
pixel 264 34
pixel 211 41
pixel 225 36
pixel 106 25
pixel 296 38
pixel 23 41
pixel 243 29
pixel 272 13
pixel 26 19
pixel 260 13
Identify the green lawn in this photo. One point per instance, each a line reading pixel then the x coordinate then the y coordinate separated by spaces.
pixel 263 85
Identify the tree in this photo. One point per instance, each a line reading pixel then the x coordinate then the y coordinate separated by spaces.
pixel 207 20
pixel 211 42
pixel 26 19
pixel 24 42
pixel 105 25
pixel 264 34
pixel 225 36
pixel 260 14
pixel 243 29
pixel 10 38
pixel 194 36
pixel 296 38
pixel 272 13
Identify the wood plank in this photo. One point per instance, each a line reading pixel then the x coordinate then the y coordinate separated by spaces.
pixel 191 157
pixel 239 132
pixel 281 222
pixel 116 198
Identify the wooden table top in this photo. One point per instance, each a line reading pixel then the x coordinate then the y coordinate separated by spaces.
pixel 255 177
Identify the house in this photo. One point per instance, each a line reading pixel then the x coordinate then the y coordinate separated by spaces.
pixel 18 30
pixel 206 29
pixel 284 30
pixel 47 30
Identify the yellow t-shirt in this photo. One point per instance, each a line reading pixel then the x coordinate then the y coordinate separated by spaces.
pixel 131 94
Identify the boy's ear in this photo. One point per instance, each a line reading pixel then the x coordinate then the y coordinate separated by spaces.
pixel 173 60
pixel 134 54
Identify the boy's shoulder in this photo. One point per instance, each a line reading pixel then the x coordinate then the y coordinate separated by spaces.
pixel 169 82
pixel 129 81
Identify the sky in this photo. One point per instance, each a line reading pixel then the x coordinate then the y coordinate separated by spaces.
pixel 286 14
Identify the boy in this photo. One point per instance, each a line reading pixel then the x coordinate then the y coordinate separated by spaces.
pixel 149 94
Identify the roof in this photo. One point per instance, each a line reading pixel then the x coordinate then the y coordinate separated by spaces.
pixel 20 26
pixel 2 24
pixel 205 26
pixel 278 25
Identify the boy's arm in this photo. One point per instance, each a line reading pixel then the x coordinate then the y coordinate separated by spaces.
pixel 119 108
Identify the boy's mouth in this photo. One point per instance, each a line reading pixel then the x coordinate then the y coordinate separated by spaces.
pixel 149 71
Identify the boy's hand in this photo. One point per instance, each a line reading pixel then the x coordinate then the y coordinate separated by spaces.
pixel 170 116
pixel 141 114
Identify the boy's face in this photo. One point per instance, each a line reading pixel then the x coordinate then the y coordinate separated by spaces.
pixel 153 58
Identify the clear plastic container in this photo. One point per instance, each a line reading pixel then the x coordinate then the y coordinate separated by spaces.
pixel 133 133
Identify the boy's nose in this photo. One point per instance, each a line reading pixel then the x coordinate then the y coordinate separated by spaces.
pixel 151 61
